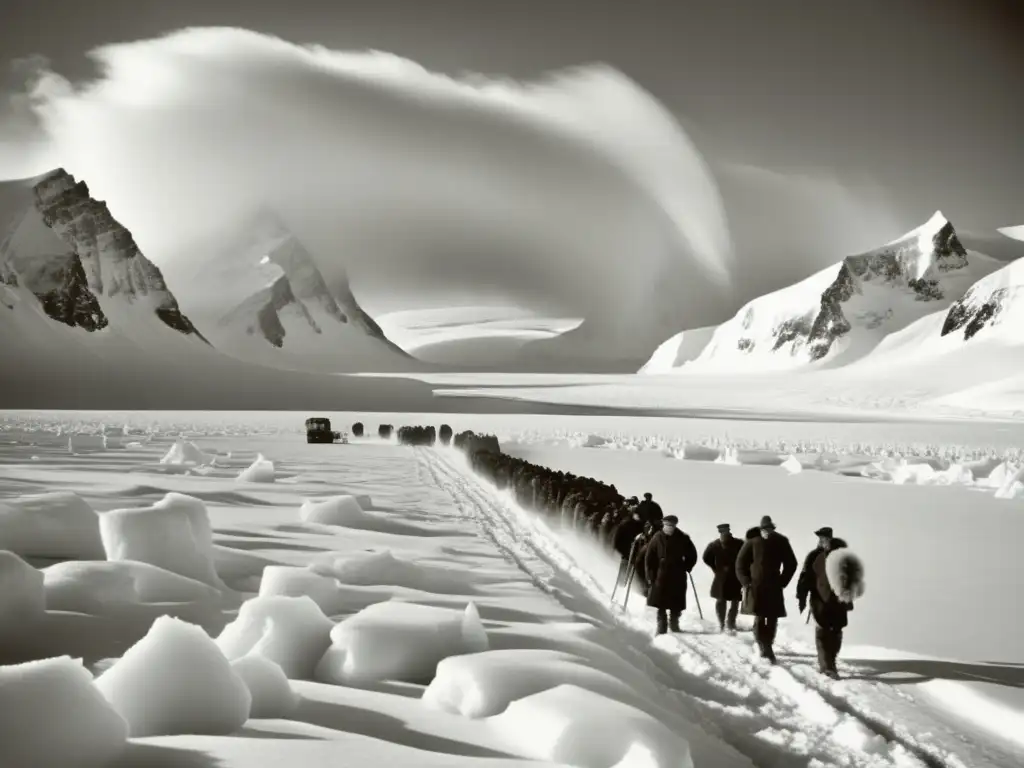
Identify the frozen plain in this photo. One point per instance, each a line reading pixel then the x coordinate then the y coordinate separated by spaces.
pixel 933 656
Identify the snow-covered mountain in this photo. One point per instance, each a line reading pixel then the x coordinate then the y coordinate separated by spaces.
pixel 121 286
pixel 265 300
pixel 992 307
pixel 86 321
pixel 844 311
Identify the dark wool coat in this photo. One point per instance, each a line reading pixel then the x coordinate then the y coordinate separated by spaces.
pixel 765 567
pixel 650 512
pixel 668 562
pixel 826 608
pixel 624 536
pixel 721 559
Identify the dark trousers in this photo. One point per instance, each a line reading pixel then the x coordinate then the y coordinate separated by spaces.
pixel 734 609
pixel 668 620
pixel 764 633
pixel 829 640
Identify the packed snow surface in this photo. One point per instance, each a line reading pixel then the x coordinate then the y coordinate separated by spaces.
pixel 445 626
pixel 22 592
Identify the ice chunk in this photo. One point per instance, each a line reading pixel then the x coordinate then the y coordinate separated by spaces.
pixel 54 716
pixel 295 581
pixel 22 595
pixel 1011 486
pixel 290 631
pixel 57 525
pixel 337 510
pixel 792 465
pixel 272 694
pixel 176 681
pixel 400 641
pixel 88 587
pixel 730 455
pixel 162 535
pixel 484 684
pixel 182 453
pixel 198 517
pixel 578 727
pixel 260 471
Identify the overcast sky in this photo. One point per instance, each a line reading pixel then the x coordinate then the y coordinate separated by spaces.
pixel 867 114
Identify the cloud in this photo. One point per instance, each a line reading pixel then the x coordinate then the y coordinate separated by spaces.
pixel 579 193
pixel 787 225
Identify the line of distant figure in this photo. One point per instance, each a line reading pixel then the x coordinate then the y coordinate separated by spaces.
pixel 750 575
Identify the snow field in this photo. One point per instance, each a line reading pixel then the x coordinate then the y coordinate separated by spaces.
pixel 588 671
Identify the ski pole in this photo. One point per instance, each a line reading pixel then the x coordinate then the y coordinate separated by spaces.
pixel 696 599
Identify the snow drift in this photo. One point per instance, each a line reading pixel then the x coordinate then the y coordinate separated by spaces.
pixel 53 715
pixel 175 680
pixel 173 534
pixel 290 631
pixel 572 725
pixel 399 641
pixel 60 524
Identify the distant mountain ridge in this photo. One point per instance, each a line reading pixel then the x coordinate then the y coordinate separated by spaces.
pixel 842 312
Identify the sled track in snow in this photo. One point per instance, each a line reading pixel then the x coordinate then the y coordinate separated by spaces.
pixel 782 716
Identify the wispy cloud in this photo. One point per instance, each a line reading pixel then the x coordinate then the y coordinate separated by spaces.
pixel 574 193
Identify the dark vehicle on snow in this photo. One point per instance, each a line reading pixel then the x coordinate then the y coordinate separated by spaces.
pixel 318 430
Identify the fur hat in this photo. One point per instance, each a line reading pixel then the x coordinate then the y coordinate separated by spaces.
pixel 767 524
pixel 724 528
pixel 670 519
pixel 824 531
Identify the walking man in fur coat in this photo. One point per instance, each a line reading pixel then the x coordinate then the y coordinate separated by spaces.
pixel 720 556
pixel 832 579
pixel 668 560
pixel 765 566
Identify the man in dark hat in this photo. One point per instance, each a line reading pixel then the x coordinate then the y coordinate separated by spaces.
pixel 720 557
pixel 650 511
pixel 668 560
pixel 765 566
pixel 830 614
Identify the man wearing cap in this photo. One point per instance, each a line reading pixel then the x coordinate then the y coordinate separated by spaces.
pixel 668 560
pixel 765 566
pixel 720 557
pixel 830 614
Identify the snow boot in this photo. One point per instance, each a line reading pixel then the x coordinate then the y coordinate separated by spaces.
pixel 662 624
pixel 673 622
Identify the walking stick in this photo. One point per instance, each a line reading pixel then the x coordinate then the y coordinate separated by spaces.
pixel 623 569
pixel 696 599
pixel 629 583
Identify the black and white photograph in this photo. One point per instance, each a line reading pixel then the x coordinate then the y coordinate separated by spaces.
pixel 511 383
